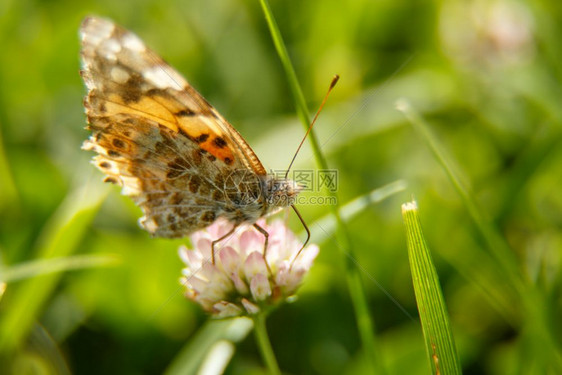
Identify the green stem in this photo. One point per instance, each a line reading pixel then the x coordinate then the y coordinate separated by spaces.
pixel 364 322
pixel 264 344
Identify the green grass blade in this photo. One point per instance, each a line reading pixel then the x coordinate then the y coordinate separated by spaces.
pixel 440 345
pixel 356 289
pixel 198 353
pixel 40 267
pixel 294 86
pixel 60 238
pixel 532 303
pixel 495 242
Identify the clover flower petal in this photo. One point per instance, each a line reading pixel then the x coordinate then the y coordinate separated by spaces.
pixel 240 282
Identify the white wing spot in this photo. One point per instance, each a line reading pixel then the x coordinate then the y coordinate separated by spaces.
pixel 109 48
pixel 119 75
pixel 160 77
pixel 133 42
pixel 97 30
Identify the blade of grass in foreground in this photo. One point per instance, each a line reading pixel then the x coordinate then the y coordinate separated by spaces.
pixel 209 346
pixel 34 268
pixel 343 241
pixel 439 342
pixel 59 238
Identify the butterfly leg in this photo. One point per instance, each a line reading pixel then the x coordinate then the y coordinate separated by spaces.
pixel 219 240
pixel 307 236
pixel 266 235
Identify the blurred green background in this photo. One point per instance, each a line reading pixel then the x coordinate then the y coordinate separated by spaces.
pixel 484 74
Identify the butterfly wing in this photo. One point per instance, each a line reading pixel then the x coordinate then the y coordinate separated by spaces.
pixel 155 135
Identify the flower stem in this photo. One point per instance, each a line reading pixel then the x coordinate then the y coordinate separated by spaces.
pixel 264 344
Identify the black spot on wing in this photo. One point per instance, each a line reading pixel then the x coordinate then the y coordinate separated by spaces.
pixel 131 92
pixel 118 143
pixel 202 138
pixel 219 142
pixel 184 113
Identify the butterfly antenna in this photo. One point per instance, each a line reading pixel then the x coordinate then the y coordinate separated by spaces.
pixel 332 84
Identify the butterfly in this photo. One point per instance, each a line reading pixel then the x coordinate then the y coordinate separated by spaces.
pixel 180 161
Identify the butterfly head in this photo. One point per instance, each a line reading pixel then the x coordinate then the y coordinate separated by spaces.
pixel 281 192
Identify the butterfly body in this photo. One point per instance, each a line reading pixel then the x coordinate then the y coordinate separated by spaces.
pixel 170 150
